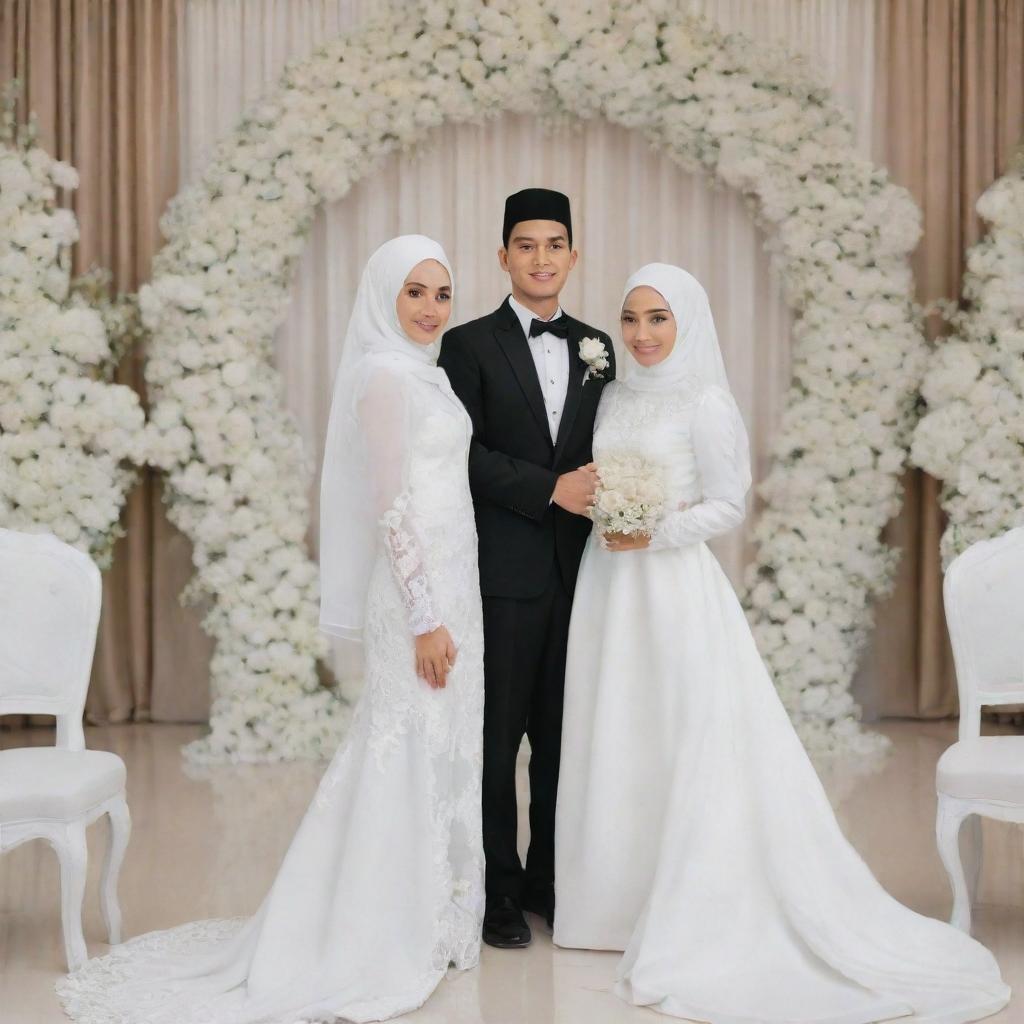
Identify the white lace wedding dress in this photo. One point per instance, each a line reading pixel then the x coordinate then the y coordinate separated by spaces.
pixel 692 831
pixel 382 887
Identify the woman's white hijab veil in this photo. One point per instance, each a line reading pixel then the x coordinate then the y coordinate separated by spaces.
pixel 696 355
pixel 348 515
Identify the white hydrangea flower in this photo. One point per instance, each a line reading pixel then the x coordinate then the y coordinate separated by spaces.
pixel 972 434
pixel 68 438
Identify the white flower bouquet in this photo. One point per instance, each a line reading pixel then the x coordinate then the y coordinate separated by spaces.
pixel 630 495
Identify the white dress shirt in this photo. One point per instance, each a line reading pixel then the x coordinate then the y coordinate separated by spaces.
pixel 551 358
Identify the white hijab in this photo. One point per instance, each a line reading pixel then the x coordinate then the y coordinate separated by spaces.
pixel 696 355
pixel 348 521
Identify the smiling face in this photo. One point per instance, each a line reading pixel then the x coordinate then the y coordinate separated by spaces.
pixel 538 259
pixel 648 326
pixel 425 302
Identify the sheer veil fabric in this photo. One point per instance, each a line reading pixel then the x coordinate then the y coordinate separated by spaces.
pixel 348 521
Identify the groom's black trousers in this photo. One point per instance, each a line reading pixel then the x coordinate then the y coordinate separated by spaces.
pixel 524 668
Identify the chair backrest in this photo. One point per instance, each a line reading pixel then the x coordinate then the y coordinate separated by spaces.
pixel 50 596
pixel 984 597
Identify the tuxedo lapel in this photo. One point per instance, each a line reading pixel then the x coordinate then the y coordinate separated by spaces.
pixel 509 335
pixel 574 393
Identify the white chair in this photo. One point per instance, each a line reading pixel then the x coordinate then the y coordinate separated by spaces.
pixel 49 612
pixel 982 775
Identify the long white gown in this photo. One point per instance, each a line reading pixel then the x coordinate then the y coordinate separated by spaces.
pixel 382 887
pixel 692 831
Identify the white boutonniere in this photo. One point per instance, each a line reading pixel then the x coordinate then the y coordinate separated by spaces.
pixel 595 355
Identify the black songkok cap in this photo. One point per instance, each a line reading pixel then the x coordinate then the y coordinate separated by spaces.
pixel 536 204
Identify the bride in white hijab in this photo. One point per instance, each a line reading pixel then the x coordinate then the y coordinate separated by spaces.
pixel 382 887
pixel 692 831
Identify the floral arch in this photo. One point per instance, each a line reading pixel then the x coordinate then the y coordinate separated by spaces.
pixel 751 117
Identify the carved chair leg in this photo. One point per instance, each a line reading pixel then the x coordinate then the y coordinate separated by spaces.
pixel 73 855
pixel 947 833
pixel 119 833
pixel 971 841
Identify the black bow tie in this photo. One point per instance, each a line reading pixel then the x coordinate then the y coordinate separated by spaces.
pixel 559 326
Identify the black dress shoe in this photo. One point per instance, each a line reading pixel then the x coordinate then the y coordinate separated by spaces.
pixel 542 903
pixel 504 924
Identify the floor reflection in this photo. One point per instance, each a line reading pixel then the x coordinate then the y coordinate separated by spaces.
pixel 208 843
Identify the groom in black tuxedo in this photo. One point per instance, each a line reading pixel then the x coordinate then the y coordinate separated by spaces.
pixel 519 373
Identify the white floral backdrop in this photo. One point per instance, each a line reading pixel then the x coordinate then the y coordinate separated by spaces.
pixel 70 440
pixel 972 436
pixel 754 116
pixel 454 188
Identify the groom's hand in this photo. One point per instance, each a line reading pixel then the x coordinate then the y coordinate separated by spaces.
pixel 575 491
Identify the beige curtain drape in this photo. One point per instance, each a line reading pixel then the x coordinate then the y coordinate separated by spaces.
pixel 101 78
pixel 950 102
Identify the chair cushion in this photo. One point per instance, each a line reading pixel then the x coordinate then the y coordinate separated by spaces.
pixel 984 768
pixel 56 784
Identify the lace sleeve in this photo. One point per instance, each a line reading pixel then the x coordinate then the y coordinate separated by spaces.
pixel 384 420
pixel 723 489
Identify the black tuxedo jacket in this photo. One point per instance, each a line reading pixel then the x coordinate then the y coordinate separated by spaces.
pixel 513 465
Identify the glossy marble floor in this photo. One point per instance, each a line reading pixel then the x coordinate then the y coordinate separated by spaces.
pixel 209 846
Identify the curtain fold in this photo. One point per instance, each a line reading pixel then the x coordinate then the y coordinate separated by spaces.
pixel 949 96
pixel 101 77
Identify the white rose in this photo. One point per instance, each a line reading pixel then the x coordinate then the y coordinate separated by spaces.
pixel 180 291
pixel 64 227
pixel 80 333
pixel 592 350
pixel 492 51
pixel 611 502
pixel 190 355
pixel 235 374
pixel 64 175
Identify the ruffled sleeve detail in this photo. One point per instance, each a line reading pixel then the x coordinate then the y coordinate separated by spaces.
pixel 383 417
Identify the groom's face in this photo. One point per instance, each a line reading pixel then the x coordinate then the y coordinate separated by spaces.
pixel 538 259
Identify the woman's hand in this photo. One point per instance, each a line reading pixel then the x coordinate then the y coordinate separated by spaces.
pixel 625 541
pixel 435 656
